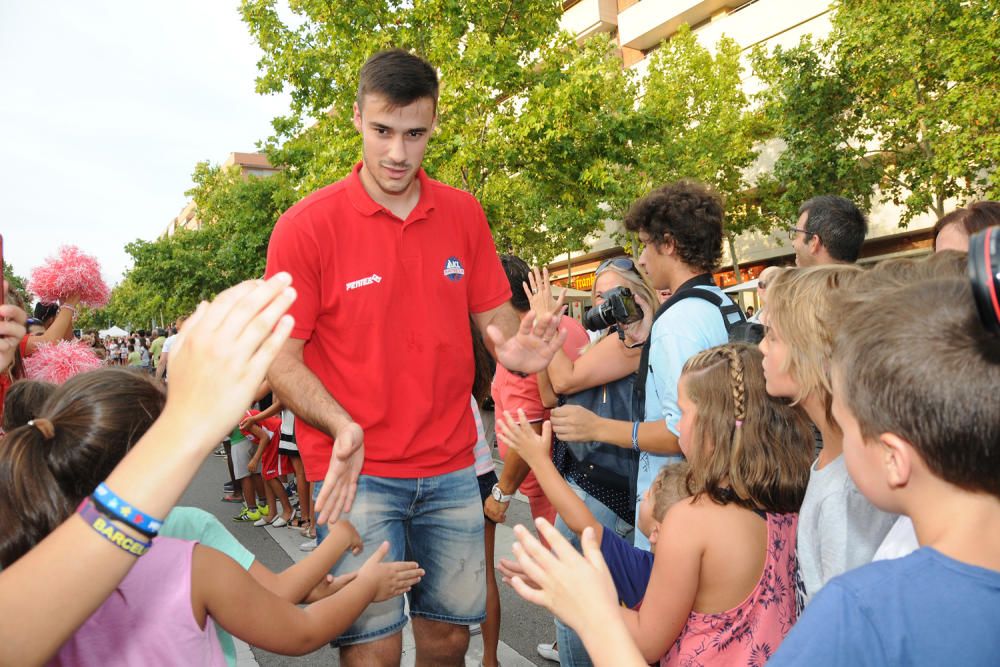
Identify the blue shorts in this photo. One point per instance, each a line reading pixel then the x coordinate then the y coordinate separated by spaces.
pixel 435 521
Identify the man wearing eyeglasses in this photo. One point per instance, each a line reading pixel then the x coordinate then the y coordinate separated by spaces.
pixel 830 230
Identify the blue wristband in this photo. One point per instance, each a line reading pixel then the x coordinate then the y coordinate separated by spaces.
pixel 106 499
pixel 103 527
pixel 635 436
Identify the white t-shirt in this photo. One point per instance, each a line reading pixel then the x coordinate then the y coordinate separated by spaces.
pixel 481 450
pixel 167 344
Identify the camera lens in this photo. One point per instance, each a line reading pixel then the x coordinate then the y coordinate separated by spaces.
pixel 984 274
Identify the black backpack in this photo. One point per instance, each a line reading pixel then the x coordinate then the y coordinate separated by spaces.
pixel 739 331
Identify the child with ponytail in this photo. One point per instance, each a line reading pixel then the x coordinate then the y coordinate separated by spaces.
pixel 722 588
pixel 165 608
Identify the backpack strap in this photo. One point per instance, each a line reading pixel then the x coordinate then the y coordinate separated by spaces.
pixel 689 289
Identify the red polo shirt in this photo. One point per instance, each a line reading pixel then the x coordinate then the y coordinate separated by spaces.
pixel 383 305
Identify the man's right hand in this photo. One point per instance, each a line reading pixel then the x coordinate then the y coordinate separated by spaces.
pixel 341 482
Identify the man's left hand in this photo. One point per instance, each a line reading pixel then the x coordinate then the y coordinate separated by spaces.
pixel 494 510
pixel 531 349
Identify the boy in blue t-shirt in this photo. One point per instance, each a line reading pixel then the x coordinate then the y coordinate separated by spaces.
pixel 915 382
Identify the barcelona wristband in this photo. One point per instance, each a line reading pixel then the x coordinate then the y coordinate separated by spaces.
pixel 103 527
pixel 635 436
pixel 107 500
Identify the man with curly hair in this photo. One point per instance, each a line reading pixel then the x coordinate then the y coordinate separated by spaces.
pixel 680 227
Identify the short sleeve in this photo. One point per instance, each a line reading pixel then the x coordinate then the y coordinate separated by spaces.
pixel 488 284
pixel 630 567
pixel 667 355
pixel 834 631
pixel 191 523
pixel 294 250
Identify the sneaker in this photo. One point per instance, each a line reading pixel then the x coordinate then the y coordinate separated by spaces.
pixel 263 510
pixel 280 522
pixel 247 515
pixel 261 522
pixel 221 451
pixel 548 651
pixel 307 546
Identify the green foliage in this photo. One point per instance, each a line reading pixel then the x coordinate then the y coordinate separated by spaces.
pixel 698 123
pixel 533 125
pixel 903 95
pixel 17 285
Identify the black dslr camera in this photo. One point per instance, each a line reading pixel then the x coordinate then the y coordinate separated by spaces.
pixel 619 307
pixel 984 273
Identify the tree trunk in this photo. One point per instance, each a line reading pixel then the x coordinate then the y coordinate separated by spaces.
pixel 732 255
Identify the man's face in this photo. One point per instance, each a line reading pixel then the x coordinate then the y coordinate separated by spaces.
pixel 653 262
pixel 393 143
pixel 800 243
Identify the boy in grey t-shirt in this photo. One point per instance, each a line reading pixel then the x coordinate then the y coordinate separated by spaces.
pixel 839 529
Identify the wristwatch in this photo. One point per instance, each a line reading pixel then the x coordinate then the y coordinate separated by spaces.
pixel 499 495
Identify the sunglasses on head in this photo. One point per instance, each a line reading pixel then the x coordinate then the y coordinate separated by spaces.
pixel 621 263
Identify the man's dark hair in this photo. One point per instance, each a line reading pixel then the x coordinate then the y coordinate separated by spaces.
pixel 398 76
pixel 838 223
pixel 689 214
pixel 931 380
pixel 517 271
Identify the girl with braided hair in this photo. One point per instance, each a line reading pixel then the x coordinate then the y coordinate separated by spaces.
pixel 722 587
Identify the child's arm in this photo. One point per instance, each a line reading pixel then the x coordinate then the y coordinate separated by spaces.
pixel 272 410
pixel 578 589
pixel 308 576
pixel 263 439
pixel 673 585
pixel 535 450
pixel 225 591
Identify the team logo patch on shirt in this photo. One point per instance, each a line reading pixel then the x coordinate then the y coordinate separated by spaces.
pixel 453 269
pixel 370 280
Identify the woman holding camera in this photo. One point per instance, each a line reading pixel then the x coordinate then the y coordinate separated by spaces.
pixel 601 381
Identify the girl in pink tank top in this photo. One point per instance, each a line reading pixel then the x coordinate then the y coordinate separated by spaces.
pixel 722 590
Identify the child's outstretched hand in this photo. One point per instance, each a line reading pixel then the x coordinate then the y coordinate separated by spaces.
pixel 222 354
pixel 519 436
pixel 578 589
pixel 390 579
pixel 329 585
pixel 510 569
pixel 351 536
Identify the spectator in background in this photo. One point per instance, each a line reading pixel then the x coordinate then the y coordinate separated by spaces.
pixel 830 230
pixel 157 346
pixel 161 366
pixel 952 232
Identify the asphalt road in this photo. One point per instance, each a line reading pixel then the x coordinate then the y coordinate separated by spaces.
pixel 523 625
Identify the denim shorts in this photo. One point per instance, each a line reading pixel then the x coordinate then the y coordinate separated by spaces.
pixel 435 521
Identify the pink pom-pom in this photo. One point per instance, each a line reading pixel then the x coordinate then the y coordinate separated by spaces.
pixel 70 272
pixel 60 361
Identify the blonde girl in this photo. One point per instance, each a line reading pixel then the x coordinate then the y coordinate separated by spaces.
pixel 838 528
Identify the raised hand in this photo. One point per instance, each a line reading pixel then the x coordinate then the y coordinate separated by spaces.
pixel 519 436
pixel 578 589
pixel 12 330
pixel 538 289
pixel 223 352
pixel 341 482
pixel 530 350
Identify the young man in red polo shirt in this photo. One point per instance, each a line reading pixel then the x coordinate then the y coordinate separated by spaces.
pixel 389 265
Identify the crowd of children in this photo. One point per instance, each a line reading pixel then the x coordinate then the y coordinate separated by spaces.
pixel 897 369
pixel 863 427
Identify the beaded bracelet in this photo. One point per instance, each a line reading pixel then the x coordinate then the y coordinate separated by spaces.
pixel 102 526
pixel 635 436
pixel 124 512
